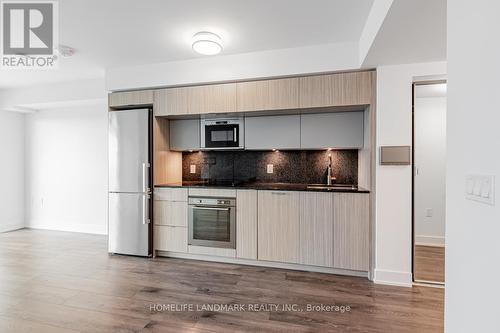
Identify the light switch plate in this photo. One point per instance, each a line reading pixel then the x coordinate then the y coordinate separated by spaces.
pixel 270 168
pixel 480 188
pixel 192 168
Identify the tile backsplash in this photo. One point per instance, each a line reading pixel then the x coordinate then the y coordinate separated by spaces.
pixel 303 166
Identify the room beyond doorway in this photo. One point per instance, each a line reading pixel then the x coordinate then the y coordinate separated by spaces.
pixel 429 181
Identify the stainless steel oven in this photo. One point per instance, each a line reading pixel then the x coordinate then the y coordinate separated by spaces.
pixel 222 133
pixel 212 222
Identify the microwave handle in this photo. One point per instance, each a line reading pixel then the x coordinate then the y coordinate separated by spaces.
pixel 235 134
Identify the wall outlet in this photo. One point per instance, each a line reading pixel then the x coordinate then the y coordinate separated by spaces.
pixel 270 168
pixel 428 212
pixel 192 168
pixel 480 188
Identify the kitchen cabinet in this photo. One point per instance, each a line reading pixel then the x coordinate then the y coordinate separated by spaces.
pixel 170 219
pixel 215 98
pixel 171 238
pixel 171 194
pixel 184 134
pixel 351 231
pixel 316 229
pixel 339 89
pixel 171 101
pixel 278 94
pixel 332 130
pixel 130 98
pixel 246 224
pixel 278 226
pixel 272 132
pixel 173 213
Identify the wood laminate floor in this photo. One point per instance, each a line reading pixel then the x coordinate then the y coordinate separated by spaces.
pixel 66 282
pixel 429 263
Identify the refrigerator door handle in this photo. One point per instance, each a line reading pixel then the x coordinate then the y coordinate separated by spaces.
pixel 145 209
pixel 145 173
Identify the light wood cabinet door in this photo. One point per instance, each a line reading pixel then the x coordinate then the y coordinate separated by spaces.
pixel 171 101
pixel 169 238
pixel 278 226
pixel 171 194
pixel 130 98
pixel 341 89
pixel 246 224
pixel 276 94
pixel 351 231
pixel 316 229
pixel 173 213
pixel 212 98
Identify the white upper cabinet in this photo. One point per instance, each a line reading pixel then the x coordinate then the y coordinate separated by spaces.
pixel 332 130
pixel 272 132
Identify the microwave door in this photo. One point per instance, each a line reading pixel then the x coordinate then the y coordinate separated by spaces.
pixel 222 136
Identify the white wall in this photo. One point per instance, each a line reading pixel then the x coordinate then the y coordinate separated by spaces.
pixel 473 120
pixel 11 171
pixel 430 160
pixel 310 59
pixel 66 169
pixel 393 199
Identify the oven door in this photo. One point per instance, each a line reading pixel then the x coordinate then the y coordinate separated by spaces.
pixel 222 136
pixel 212 226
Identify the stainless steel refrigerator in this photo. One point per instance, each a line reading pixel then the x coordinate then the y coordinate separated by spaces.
pixel 129 199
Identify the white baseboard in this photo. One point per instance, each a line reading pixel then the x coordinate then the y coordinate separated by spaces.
pixel 98 229
pixel 393 278
pixel 11 227
pixel 430 240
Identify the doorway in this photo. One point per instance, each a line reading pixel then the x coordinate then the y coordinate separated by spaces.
pixel 429 181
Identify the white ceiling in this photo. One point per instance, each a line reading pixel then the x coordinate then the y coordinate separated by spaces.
pixel 111 33
pixel 413 31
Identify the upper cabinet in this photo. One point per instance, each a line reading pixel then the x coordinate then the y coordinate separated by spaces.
pixel 272 132
pixel 130 98
pixel 341 89
pixel 332 130
pixel 279 94
pixel 216 98
pixel 184 134
pixel 318 91
pixel 170 102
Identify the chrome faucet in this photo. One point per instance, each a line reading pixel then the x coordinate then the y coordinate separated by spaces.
pixel 329 174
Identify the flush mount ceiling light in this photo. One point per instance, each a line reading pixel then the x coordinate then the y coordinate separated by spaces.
pixel 207 43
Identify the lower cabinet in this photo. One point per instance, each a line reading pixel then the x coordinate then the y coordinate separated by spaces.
pixel 246 224
pixel 278 226
pixel 316 228
pixel 172 213
pixel 351 230
pixel 171 238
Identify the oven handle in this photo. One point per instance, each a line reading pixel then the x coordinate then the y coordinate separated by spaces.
pixel 211 208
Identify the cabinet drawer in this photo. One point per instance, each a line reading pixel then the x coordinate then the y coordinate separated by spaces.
pixel 171 194
pixel 212 192
pixel 168 238
pixel 173 213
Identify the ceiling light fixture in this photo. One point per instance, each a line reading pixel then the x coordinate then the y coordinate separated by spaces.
pixel 207 43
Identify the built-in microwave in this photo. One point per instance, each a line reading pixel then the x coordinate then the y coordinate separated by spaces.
pixel 222 133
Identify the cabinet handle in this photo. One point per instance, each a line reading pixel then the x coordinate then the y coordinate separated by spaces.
pixel 279 193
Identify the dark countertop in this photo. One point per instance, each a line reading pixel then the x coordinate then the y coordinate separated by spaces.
pixel 270 186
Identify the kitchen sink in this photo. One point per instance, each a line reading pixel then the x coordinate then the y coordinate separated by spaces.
pixel 332 187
